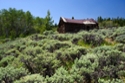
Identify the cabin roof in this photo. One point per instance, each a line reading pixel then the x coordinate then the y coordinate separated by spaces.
pixel 78 21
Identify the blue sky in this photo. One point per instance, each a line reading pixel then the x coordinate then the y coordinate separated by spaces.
pixel 80 9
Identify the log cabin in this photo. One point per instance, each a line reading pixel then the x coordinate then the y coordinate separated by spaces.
pixel 67 25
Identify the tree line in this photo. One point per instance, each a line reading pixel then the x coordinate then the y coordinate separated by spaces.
pixel 111 22
pixel 17 23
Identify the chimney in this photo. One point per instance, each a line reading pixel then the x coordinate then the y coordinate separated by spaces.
pixel 72 17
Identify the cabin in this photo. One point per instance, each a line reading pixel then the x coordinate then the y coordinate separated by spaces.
pixel 72 25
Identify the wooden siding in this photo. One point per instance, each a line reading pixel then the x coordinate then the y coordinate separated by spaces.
pixel 73 26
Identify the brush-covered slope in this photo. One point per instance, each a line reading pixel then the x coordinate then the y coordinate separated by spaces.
pixel 96 56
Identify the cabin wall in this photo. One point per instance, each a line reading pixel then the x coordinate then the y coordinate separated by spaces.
pixel 90 27
pixel 73 28
pixel 70 27
pixel 61 28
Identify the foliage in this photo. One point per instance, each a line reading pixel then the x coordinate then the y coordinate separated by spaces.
pixel 9 74
pixel 119 35
pixel 53 57
pixel 34 78
pixel 17 23
pixel 120 47
pixel 93 39
pixel 61 76
pixel 49 21
pixel 110 81
pixel 6 61
pixel 111 22
pixel 111 61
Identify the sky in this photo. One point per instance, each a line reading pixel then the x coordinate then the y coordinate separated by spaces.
pixel 79 9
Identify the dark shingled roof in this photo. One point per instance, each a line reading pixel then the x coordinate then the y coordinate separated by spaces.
pixel 79 21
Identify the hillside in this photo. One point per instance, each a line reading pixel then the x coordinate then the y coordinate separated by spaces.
pixel 96 56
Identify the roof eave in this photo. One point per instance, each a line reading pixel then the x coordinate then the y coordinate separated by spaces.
pixel 64 20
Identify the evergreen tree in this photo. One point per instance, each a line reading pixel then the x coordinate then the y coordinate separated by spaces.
pixel 49 21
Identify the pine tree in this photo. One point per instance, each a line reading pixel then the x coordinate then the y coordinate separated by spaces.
pixel 49 21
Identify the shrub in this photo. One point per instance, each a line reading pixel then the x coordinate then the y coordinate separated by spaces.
pixel 9 74
pixel 120 38
pixel 86 66
pixel 110 81
pixel 53 45
pixel 76 38
pixel 60 76
pixel 50 32
pixel 102 49
pixel 120 47
pixel 6 61
pixel 118 33
pixel 110 62
pixel 62 37
pixel 37 37
pixel 34 78
pixel 44 63
pixel 93 39
pixel 105 33
pixel 66 56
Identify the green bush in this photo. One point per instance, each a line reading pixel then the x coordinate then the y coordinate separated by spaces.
pixel 6 61
pixel 105 33
pixel 93 39
pixel 110 61
pixel 110 81
pixel 120 38
pixel 120 47
pixel 118 34
pixel 53 45
pixel 86 66
pixel 34 78
pixel 62 37
pixel 9 74
pixel 67 56
pixel 61 76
